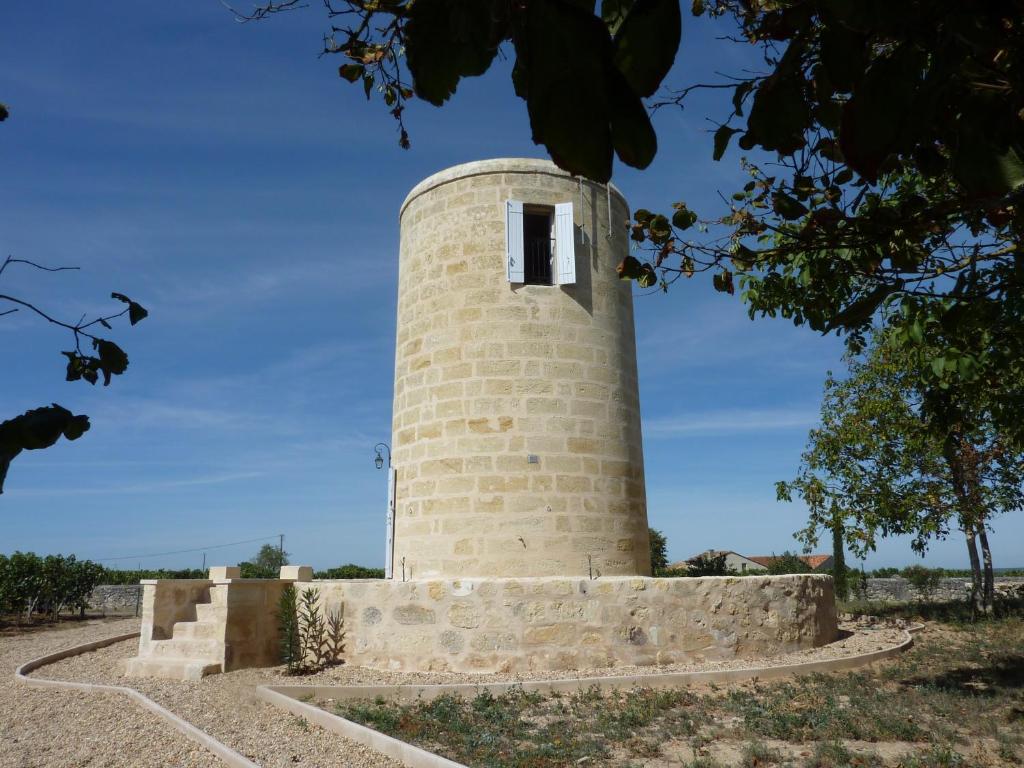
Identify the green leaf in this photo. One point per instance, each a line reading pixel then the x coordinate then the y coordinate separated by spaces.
pixel 563 57
pixel 447 40
pixel 633 136
pixel 647 276
pixel 860 311
pixel 112 360
pixel 659 229
pixel 875 117
pixel 843 52
pixel 136 312
pixel 722 282
pixel 614 12
pixel 646 43
pixel 629 269
pixel 987 171
pixel 683 218
pixel 351 72
pixel 938 365
pixel 788 207
pixel 779 115
pixel 722 136
pixel 739 94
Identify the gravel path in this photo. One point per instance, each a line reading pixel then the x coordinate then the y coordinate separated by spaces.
pixel 53 728
pixel 225 705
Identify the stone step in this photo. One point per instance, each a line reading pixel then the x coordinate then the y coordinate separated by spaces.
pixel 172 668
pixel 197 630
pixel 208 612
pixel 178 648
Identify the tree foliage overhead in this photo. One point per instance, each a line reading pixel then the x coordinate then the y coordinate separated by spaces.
pixel 888 141
pixel 898 130
pixel 583 68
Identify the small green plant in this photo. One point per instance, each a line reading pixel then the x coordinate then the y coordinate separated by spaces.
pixel 756 755
pixel 288 630
pixel 308 641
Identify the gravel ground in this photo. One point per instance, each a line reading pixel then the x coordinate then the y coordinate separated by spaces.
pixel 225 705
pixel 53 728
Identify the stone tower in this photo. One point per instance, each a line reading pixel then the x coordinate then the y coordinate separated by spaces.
pixel 516 434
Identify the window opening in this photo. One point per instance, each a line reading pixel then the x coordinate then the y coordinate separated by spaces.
pixel 538 246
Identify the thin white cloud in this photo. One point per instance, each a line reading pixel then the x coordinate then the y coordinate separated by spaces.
pixel 731 422
pixel 160 485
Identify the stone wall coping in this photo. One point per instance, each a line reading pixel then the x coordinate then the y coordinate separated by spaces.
pixel 230 757
pixel 496 165
pixel 172 581
pixel 474 580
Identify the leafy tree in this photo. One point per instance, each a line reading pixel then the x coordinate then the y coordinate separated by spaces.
pixel 787 563
pixel 350 571
pixel 891 152
pixel 266 564
pixel 659 550
pixel 42 427
pixel 270 557
pixel 876 464
pixel 707 564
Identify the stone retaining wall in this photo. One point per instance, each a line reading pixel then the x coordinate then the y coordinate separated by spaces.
pixel 535 624
pixel 951 589
pixel 116 598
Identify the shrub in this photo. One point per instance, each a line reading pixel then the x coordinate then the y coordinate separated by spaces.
pixel 924 580
pixel 350 571
pixel 308 642
pixel 707 565
pixel 786 563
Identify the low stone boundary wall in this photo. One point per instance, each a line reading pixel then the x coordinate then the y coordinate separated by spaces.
pixel 528 624
pixel 952 589
pixel 116 598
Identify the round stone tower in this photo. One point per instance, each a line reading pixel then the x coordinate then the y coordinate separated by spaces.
pixel 516 435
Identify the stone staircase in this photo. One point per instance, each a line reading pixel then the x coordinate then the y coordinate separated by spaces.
pixel 195 649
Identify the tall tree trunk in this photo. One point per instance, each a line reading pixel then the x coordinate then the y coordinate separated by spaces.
pixel 839 574
pixel 977 591
pixel 989 585
pixel 953 450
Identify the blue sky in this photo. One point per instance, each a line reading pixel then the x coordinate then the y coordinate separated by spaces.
pixel 224 176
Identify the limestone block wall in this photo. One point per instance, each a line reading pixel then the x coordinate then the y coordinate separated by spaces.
pixel 516 426
pixel 541 624
pixel 950 589
pixel 116 598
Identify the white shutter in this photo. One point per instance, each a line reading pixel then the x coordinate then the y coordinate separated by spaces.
pixel 514 241
pixel 565 246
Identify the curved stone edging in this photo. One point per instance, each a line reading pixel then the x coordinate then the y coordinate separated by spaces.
pixel 288 697
pixel 221 750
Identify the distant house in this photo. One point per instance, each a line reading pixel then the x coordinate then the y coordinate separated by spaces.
pixel 816 562
pixel 733 561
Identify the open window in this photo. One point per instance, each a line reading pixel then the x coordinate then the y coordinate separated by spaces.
pixel 540 247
